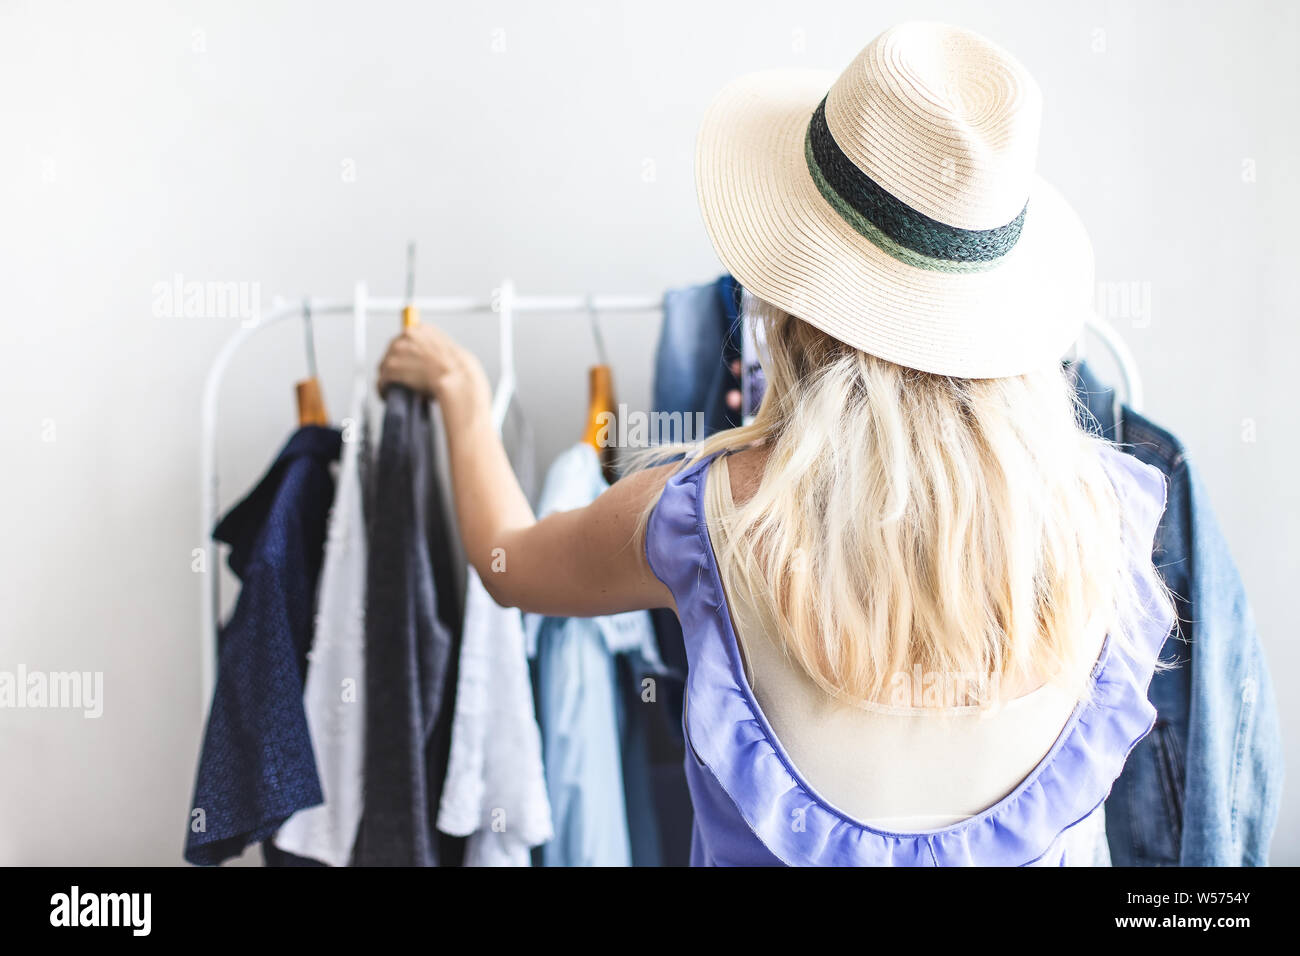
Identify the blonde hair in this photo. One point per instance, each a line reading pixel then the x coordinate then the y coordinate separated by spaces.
pixel 907 520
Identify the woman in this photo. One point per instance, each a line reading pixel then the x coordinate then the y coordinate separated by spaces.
pixel 917 598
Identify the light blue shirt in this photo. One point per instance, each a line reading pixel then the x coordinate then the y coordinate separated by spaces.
pixel 581 708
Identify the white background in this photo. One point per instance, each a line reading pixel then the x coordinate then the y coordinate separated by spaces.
pixel 142 141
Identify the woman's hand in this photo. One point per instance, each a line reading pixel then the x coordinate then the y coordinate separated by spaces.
pixel 583 562
pixel 426 360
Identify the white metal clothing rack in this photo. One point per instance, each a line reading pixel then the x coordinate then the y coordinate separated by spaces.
pixel 506 303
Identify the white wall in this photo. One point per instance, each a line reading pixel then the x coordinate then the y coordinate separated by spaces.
pixel 213 141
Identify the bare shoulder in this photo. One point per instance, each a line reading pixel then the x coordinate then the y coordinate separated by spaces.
pixel 641 488
pixel 745 468
pixel 643 485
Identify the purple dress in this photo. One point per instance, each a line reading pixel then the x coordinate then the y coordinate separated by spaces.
pixel 752 807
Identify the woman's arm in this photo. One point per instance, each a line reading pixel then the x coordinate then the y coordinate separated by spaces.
pixel 583 562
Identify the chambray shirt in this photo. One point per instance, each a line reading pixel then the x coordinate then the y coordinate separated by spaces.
pixel 597 772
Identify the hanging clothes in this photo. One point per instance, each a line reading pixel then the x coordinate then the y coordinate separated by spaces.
pixel 256 768
pixel 1203 789
pixel 495 792
pixel 582 703
pixel 333 698
pixel 413 619
pixel 699 341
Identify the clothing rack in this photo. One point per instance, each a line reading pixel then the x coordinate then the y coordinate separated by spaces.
pixel 360 307
pixel 505 302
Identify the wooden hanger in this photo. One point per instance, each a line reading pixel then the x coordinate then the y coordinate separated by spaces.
pixel 311 400
pixel 410 314
pixel 601 408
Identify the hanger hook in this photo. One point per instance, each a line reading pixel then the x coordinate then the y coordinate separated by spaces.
pixel 410 272
pixel 309 337
pixel 601 357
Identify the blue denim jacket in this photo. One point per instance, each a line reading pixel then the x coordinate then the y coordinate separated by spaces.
pixel 1203 788
pixel 698 341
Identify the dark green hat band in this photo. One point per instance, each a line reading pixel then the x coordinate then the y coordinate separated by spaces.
pixel 897 228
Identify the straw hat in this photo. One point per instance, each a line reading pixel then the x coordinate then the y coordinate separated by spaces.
pixel 900 212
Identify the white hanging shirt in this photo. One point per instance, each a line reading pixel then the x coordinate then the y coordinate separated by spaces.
pixel 495 791
pixel 336 676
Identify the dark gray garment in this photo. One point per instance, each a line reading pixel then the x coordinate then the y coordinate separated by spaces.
pixel 413 621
